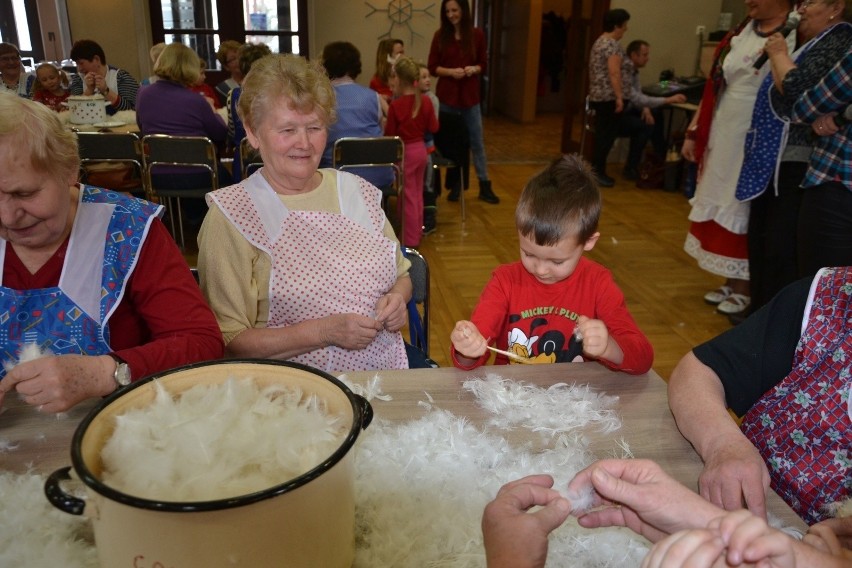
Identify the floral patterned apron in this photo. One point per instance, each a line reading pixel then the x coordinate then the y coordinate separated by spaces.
pixel 803 426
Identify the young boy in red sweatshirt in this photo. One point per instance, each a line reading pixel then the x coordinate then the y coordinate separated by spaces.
pixel 554 305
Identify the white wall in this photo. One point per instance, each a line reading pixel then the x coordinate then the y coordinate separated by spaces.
pixel 55 33
pixel 121 27
pixel 338 20
pixel 670 29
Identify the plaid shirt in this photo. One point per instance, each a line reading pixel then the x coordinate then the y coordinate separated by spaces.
pixel 831 159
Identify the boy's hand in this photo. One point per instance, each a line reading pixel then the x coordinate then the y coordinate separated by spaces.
pixel 597 343
pixel 467 340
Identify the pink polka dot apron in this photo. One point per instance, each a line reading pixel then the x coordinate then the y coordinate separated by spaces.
pixel 803 426
pixel 322 263
pixel 72 318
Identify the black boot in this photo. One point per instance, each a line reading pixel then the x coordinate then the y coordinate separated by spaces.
pixel 485 193
pixel 455 191
pixel 430 219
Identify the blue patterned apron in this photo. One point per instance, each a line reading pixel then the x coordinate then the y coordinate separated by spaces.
pixel 766 139
pixel 71 318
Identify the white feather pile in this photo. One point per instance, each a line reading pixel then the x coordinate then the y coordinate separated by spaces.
pixel 555 410
pixel 421 486
pixel 371 390
pixel 218 441
pixel 34 533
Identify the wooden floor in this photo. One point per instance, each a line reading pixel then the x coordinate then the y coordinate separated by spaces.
pixel 642 235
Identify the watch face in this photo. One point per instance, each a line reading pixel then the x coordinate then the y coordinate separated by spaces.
pixel 122 374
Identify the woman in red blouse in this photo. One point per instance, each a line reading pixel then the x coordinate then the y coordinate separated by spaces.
pixel 89 275
pixel 457 57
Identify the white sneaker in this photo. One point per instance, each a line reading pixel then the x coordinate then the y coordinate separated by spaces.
pixel 736 303
pixel 718 295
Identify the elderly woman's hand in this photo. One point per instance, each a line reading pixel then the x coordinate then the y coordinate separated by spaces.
pixel 55 384
pixel 775 45
pixel 825 125
pixel 392 311
pixel 349 331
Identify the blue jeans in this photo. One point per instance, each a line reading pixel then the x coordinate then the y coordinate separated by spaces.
pixel 472 117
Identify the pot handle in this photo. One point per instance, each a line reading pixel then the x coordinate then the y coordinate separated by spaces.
pixel 366 411
pixel 58 498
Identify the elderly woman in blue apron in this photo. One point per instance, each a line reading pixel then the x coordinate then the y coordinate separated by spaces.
pixel 90 277
pixel 300 263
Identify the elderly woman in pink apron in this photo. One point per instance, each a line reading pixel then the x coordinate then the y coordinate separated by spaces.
pixel 300 263
pixel 90 276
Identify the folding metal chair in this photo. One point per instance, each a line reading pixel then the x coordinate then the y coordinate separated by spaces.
pixel 118 148
pixel 418 323
pixel 250 160
pixel 190 152
pixel 377 152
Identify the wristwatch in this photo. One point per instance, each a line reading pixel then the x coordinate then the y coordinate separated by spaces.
pixel 122 372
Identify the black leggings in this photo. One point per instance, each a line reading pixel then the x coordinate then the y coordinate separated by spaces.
pixel 607 124
pixel 772 237
pixel 825 227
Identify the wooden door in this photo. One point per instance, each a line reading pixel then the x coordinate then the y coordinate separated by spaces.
pixel 586 25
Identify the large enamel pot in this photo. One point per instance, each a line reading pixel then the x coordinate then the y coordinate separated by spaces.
pixel 306 521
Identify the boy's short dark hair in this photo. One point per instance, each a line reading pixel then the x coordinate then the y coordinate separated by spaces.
pixel 87 49
pixel 615 18
pixel 341 58
pixel 561 201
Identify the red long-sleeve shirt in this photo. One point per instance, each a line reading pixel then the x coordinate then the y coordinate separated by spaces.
pixel 544 315
pixel 411 128
pixel 464 92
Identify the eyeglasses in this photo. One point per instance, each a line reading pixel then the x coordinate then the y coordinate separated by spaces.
pixel 806 3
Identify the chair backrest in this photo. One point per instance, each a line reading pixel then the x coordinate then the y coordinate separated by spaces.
pixel 110 146
pixel 250 160
pixel 376 152
pixel 121 148
pixel 164 150
pixel 418 323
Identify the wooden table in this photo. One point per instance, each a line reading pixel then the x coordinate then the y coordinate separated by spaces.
pixel 648 427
